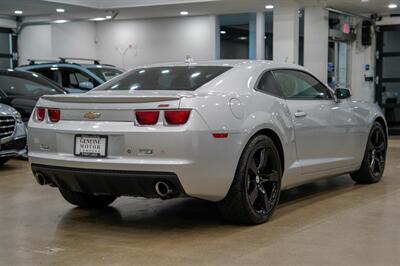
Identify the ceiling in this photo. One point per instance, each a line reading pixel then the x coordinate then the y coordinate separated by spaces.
pixel 84 9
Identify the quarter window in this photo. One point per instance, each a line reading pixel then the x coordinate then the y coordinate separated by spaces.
pixel 269 85
pixel 300 85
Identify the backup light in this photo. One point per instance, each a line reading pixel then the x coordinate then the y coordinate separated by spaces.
pixel 54 115
pixel 177 117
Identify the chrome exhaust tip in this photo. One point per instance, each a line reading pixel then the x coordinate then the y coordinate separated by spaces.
pixel 164 190
pixel 41 179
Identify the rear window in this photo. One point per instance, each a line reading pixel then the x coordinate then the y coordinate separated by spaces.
pixel 182 78
pixel 105 73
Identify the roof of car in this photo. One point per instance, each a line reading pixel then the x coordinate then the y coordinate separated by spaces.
pixel 231 63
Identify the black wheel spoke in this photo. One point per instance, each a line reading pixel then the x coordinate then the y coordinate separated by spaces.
pixel 271 177
pixel 380 147
pixel 263 160
pixel 253 167
pixel 253 194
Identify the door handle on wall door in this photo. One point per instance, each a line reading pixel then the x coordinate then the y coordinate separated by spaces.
pixel 300 114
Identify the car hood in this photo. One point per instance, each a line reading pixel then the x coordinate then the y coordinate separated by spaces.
pixel 7 110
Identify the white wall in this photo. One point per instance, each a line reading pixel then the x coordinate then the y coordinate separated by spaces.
pixel 145 41
pixel 316 36
pixel 286 31
pixel 52 41
pixel 8 23
pixel 156 40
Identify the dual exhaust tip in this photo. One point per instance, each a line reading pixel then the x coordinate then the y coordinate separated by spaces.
pixel 163 188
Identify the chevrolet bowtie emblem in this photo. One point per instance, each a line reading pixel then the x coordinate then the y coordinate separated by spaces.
pixel 92 115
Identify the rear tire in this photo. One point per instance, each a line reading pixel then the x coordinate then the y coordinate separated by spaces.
pixel 373 164
pixel 3 161
pixel 87 201
pixel 255 190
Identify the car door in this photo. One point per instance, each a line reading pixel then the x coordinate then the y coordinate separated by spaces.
pixel 324 139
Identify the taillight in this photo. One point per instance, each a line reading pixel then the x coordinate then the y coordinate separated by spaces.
pixel 54 115
pixel 177 117
pixel 147 117
pixel 40 113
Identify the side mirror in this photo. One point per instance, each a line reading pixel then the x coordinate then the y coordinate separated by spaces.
pixel 86 85
pixel 342 93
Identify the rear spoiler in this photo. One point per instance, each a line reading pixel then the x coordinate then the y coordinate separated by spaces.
pixel 109 98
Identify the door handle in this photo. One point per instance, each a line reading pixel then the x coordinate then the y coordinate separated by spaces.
pixel 300 114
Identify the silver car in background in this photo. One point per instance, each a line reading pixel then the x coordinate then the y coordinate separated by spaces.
pixel 232 132
pixel 12 134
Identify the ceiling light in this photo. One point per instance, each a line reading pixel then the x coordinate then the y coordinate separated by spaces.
pixel 59 21
pixel 184 13
pixel 269 6
pixel 60 10
pixel 18 12
pixel 392 6
pixel 242 38
pixel 108 17
pixel 223 32
pixel 97 19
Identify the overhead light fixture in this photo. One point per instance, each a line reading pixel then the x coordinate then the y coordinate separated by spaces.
pixel 97 19
pixel 60 10
pixel 269 7
pixel 60 21
pixel 184 13
pixel 222 32
pixel 242 38
pixel 108 17
pixel 18 12
pixel 392 6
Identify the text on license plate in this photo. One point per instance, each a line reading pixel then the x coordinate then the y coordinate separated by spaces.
pixel 91 146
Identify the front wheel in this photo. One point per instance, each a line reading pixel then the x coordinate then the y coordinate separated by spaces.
pixel 373 164
pixel 88 201
pixel 255 189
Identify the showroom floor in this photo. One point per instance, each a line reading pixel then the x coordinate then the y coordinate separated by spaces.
pixel 329 222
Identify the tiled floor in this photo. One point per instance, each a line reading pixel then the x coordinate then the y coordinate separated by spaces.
pixel 328 222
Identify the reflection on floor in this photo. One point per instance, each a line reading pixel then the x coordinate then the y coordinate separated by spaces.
pixel 328 222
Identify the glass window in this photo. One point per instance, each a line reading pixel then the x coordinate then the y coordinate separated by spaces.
pixel 16 86
pixel 301 37
pixel 73 78
pixel 186 78
pixel 391 41
pixel 268 85
pixel 105 73
pixel 238 36
pixel 268 37
pixel 300 85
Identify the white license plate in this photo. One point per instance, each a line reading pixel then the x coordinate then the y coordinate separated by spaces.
pixel 90 146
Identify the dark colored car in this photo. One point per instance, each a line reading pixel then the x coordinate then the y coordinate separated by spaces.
pixel 22 89
pixel 74 77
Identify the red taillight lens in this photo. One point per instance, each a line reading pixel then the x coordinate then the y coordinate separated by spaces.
pixel 177 117
pixel 40 113
pixel 147 117
pixel 54 115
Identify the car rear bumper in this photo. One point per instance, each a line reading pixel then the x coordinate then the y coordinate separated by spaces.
pixel 108 182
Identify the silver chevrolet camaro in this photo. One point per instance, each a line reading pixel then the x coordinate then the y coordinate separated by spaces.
pixel 232 132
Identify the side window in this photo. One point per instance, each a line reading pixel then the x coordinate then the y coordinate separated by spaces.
pixel 268 84
pixel 48 73
pixel 73 78
pixel 300 85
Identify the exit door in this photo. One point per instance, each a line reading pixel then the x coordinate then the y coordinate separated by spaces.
pixel 338 64
pixel 387 82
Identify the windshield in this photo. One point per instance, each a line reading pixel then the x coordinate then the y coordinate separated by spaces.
pixel 105 73
pixel 186 78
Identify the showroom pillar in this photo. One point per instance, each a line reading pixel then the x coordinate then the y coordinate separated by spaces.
pixel 286 31
pixel 260 33
pixel 316 37
pixel 214 38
